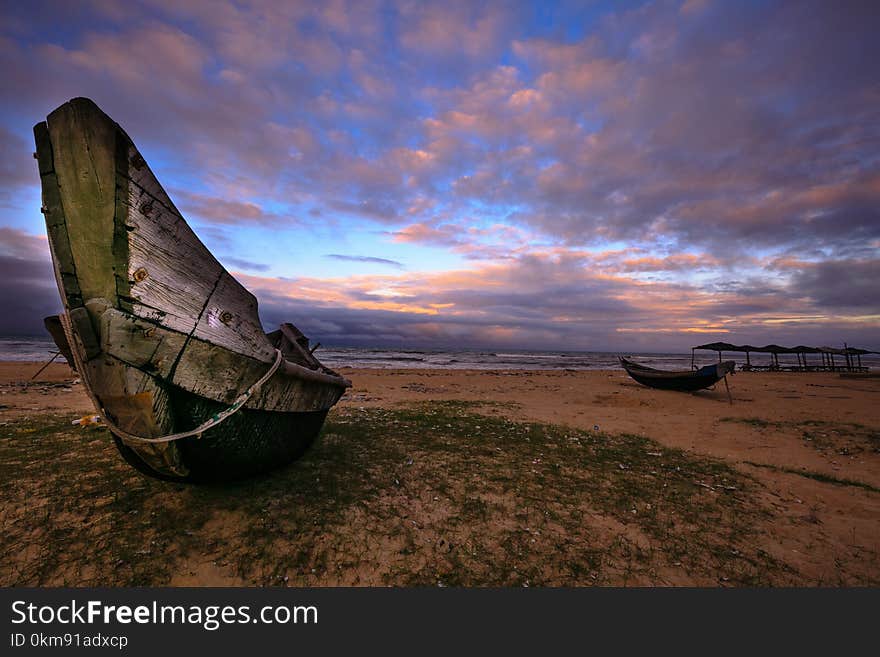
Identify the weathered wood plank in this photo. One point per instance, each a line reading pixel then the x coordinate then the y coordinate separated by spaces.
pixel 176 281
pixel 132 399
pixel 45 159
pixel 56 229
pixel 83 140
pixel 56 330
pixel 299 346
pixel 171 274
pixel 230 320
pixel 138 404
pixel 120 218
pixel 220 374
pixel 140 174
pixel 59 244
pixel 82 325
pixel 205 369
pixel 140 343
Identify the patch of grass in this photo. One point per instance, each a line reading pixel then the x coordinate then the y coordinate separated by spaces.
pixel 752 421
pixel 74 513
pixel 676 503
pixel 422 495
pixel 844 438
pixel 817 476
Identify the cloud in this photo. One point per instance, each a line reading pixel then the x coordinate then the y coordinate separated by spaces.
pixel 730 140
pixel 494 242
pixel 643 130
pixel 365 259
pixel 853 284
pixel 679 262
pixel 674 166
pixel 239 263
pixel 215 210
pixel 443 235
pixel 27 283
pixel 457 29
pixel 554 300
pixel 17 167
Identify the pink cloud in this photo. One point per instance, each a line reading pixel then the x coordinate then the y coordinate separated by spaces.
pixel 425 234
pixel 473 29
pixel 134 58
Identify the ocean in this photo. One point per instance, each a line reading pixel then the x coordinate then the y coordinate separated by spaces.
pixel 40 349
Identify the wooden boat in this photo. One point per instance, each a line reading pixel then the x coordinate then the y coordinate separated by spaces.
pixel 683 380
pixel 167 343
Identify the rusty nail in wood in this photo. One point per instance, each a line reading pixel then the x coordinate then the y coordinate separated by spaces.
pixel 226 317
pixel 140 274
pixel 147 208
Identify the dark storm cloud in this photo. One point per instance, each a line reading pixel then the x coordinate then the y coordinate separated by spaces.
pixel 17 167
pixel 27 284
pixel 841 284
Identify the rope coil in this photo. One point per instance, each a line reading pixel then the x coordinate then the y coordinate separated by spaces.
pixel 214 420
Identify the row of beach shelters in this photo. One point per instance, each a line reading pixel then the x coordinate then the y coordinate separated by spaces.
pixel 851 357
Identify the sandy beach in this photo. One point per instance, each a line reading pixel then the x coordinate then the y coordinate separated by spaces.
pixel 427 477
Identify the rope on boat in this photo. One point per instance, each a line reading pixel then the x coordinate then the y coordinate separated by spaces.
pixel 214 420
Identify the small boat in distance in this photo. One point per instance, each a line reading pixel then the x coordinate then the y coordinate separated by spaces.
pixel 168 345
pixel 681 380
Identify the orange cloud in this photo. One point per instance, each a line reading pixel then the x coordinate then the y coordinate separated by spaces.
pixel 554 294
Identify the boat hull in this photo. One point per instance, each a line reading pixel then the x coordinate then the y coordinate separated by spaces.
pixel 249 443
pixel 163 337
pixel 684 384
pixel 688 381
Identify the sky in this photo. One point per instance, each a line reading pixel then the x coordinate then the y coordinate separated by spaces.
pixel 612 176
